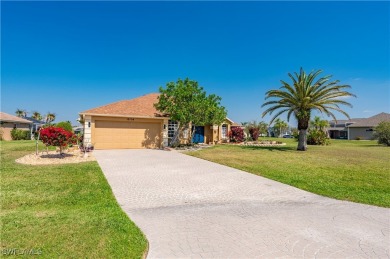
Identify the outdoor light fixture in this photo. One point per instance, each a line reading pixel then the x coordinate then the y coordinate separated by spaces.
pixel 165 126
pixel 89 124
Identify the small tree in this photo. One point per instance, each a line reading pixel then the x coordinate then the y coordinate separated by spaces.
pixel 187 103
pixel 382 133
pixel 280 126
pixel 66 125
pixel 254 131
pixel 58 137
pixel 236 134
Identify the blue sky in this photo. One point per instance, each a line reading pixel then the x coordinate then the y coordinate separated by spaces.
pixel 66 57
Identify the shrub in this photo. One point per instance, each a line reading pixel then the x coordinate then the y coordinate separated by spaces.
pixel 254 132
pixel 236 134
pixel 18 134
pixel 66 125
pixel 382 133
pixel 317 137
pixel 58 137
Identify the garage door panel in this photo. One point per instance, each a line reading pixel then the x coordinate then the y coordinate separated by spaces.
pixel 113 135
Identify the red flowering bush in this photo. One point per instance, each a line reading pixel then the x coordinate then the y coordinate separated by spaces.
pixel 236 134
pixel 254 132
pixel 58 137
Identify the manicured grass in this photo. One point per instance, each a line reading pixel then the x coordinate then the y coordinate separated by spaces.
pixel 347 170
pixel 65 211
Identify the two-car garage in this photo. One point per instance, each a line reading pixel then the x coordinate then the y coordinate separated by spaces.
pixel 133 123
pixel 112 134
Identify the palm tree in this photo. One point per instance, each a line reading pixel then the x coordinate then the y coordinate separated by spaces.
pixel 50 117
pixel 36 115
pixel 319 124
pixel 280 125
pixel 263 127
pixel 305 95
pixel 21 113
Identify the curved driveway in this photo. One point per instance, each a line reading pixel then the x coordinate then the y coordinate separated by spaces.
pixel 188 207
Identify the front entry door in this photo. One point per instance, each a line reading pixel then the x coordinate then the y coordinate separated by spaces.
pixel 198 136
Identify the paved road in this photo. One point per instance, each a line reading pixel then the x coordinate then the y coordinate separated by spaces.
pixel 188 207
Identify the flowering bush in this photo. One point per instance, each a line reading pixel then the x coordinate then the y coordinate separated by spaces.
pixel 236 134
pixel 254 132
pixel 58 137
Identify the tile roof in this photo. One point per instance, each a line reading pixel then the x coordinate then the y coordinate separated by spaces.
pixel 372 121
pixel 140 107
pixel 11 118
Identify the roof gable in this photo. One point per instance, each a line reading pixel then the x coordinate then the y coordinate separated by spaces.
pixel 139 107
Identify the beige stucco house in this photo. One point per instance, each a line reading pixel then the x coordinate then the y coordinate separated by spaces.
pixel 136 123
pixel 9 122
pixel 357 128
pixel 364 128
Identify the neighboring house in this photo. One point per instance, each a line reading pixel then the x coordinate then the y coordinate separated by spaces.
pixel 364 128
pixel 9 122
pixel 78 129
pixel 339 129
pixel 136 123
pixel 358 128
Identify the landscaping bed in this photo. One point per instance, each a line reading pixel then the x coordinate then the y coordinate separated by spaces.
pixel 55 158
pixel 263 143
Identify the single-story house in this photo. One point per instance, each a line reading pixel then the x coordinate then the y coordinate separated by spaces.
pixel 364 129
pixel 357 128
pixel 136 123
pixel 339 129
pixel 9 122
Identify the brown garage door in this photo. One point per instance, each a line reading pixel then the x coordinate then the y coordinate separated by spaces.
pixel 115 135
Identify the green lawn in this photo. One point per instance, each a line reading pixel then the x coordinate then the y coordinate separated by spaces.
pixel 356 171
pixel 63 210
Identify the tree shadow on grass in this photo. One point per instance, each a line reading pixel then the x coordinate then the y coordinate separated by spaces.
pixel 270 148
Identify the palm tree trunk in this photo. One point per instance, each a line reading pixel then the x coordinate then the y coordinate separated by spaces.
pixel 302 140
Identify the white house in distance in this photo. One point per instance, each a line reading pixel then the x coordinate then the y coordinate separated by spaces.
pixel 357 128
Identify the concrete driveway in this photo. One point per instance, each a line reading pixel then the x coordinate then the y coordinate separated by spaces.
pixel 188 207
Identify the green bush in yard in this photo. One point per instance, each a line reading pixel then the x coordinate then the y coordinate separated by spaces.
pixel 18 134
pixel 66 125
pixel 382 133
pixel 317 137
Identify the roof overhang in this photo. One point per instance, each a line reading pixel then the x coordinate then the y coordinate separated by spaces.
pixel 26 122
pixel 123 116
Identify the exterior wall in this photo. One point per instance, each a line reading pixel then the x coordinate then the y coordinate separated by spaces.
pixel 6 128
pixel 362 133
pixel 89 131
pixel 165 133
pixel 208 134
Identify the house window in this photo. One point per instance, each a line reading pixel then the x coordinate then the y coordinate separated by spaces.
pixel 224 131
pixel 172 128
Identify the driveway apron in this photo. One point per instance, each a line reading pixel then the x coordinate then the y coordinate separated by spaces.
pixel 192 208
